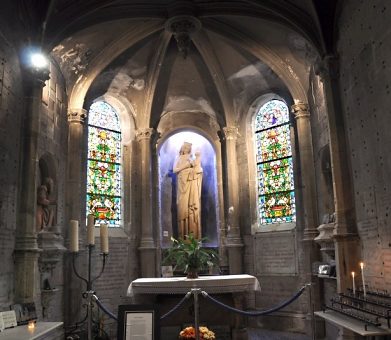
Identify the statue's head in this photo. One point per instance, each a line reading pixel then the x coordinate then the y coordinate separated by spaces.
pixel 186 148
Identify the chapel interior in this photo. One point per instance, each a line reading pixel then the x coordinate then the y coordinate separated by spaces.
pixel 286 106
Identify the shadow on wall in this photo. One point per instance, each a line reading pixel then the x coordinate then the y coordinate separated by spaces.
pixel 168 155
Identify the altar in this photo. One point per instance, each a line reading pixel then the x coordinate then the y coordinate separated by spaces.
pixel 167 292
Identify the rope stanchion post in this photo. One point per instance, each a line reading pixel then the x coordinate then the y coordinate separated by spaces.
pixel 313 326
pixel 195 292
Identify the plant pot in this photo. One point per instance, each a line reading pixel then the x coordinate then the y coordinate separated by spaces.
pixel 192 273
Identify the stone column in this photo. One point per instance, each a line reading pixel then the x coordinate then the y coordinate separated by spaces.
pixel 75 192
pixel 309 200
pixel 304 136
pixel 26 248
pixel 346 240
pixel 147 246
pixel 234 241
pixel 76 158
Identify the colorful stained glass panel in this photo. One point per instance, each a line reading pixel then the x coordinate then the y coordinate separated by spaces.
pixel 104 178
pixel 273 143
pixel 276 199
pixel 104 145
pixel 277 208
pixel 274 112
pixel 275 176
pixel 104 164
pixel 102 114
pixel 106 209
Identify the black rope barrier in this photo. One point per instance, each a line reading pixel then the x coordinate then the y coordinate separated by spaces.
pixel 259 313
pixel 176 306
pixel 206 295
pixel 103 308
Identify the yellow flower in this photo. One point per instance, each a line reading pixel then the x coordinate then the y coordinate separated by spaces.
pixel 189 333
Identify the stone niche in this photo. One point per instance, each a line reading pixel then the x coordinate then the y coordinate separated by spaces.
pixel 50 241
pixel 168 153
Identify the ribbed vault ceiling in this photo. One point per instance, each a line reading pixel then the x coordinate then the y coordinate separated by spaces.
pixel 243 49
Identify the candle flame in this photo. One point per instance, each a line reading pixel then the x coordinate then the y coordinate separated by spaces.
pixel 362 265
pixel 31 325
pixel 353 274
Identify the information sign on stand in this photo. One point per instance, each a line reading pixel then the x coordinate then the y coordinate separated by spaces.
pixel 9 319
pixel 138 322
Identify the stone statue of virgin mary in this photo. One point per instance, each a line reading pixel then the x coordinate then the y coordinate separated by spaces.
pixel 189 182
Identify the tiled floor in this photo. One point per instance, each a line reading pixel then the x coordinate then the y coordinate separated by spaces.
pixel 262 334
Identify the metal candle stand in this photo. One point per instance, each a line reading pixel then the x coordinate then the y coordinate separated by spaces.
pixel 89 293
pixel 370 310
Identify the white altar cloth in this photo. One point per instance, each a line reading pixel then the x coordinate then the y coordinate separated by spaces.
pixel 181 285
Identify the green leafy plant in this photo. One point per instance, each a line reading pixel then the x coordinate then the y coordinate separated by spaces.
pixel 189 255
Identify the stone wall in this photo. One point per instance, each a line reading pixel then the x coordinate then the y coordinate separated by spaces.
pixel 364 49
pixel 10 127
pixel 112 286
pixel 52 151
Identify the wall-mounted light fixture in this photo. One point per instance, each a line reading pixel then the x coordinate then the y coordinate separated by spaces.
pixel 38 60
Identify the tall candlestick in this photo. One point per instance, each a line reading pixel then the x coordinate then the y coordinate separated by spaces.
pixel 90 229
pixel 74 236
pixel 104 238
pixel 363 279
pixel 354 284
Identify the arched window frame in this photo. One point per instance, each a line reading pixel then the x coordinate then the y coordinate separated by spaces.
pixel 282 224
pixel 104 164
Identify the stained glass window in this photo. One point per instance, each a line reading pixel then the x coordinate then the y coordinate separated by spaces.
pixel 276 198
pixel 104 164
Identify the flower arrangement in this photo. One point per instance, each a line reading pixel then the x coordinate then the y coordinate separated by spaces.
pixel 189 333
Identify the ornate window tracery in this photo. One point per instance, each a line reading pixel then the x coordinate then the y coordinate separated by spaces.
pixel 104 164
pixel 275 184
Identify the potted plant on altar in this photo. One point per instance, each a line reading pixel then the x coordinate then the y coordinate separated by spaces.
pixel 188 255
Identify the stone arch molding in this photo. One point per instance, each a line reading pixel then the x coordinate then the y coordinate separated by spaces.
pixel 199 122
pixel 105 57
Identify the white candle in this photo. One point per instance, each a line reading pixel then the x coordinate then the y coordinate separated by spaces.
pixel 363 279
pixel 354 284
pixel 90 229
pixel 74 236
pixel 104 238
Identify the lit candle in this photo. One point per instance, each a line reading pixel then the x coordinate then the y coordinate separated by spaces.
pixel 90 229
pixel 104 238
pixel 74 233
pixel 354 284
pixel 363 279
pixel 31 325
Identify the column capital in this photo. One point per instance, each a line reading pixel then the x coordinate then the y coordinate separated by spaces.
pixel 145 133
pixel 300 110
pixel 77 116
pixel 230 132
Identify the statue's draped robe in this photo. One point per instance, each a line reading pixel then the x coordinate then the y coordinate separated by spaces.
pixel 189 181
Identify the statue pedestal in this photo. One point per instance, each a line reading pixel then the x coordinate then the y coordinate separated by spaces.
pixel 167 292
